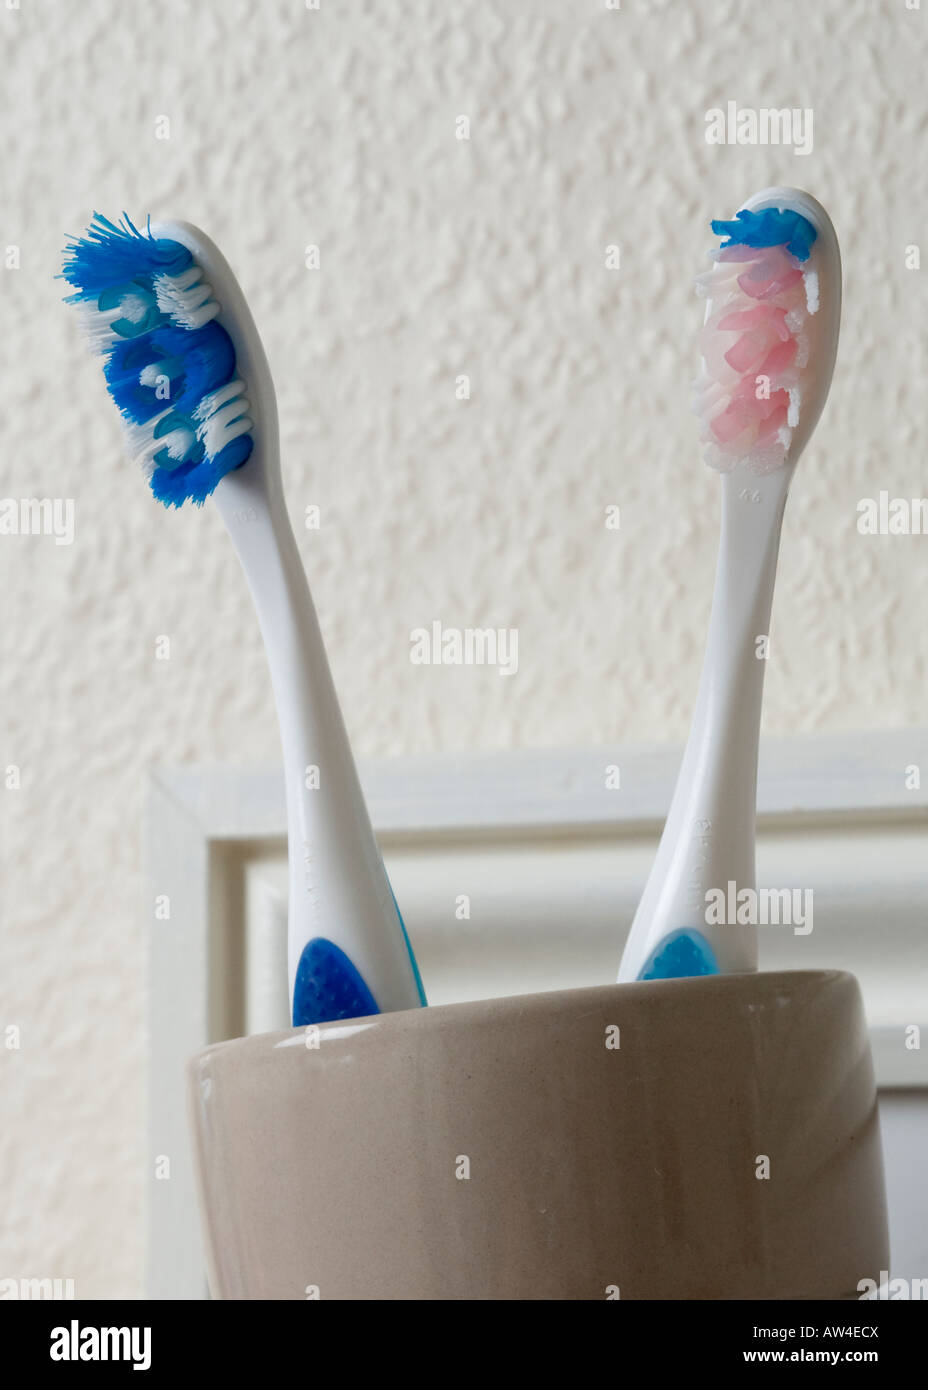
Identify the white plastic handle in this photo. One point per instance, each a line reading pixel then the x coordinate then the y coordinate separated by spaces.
pixel 338 885
pixel 708 840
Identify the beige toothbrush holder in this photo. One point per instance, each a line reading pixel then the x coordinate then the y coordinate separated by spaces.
pixel 711 1138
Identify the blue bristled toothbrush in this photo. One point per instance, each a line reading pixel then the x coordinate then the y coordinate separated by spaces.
pixel 769 343
pixel 183 362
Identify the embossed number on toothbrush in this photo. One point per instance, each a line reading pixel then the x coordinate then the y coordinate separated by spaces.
pixel 310 887
pixel 701 839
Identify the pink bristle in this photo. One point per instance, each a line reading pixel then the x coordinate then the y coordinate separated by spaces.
pixel 774 422
pixel 739 253
pixel 763 404
pixel 779 359
pixel 755 335
pixel 732 421
pixel 748 352
pixel 759 288
pixel 753 318
pixel 771 262
pixel 755 345
pixel 776 401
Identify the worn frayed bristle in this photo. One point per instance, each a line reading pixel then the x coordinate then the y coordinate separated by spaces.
pixel 111 253
pixel 170 368
pixel 755 342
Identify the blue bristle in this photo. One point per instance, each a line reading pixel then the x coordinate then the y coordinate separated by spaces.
pixel 195 360
pixel 182 366
pixel 109 255
pixel 189 483
pixel 141 289
pixel 234 454
pixel 122 368
pixel 769 227
pixel 177 420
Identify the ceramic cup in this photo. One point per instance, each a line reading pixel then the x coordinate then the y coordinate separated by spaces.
pixel 707 1138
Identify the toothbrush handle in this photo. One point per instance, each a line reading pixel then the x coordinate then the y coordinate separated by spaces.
pixel 347 948
pixel 709 835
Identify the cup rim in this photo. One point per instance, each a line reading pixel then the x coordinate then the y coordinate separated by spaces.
pixel 641 992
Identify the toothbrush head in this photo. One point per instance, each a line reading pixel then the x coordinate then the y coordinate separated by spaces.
pixel 771 331
pixel 170 365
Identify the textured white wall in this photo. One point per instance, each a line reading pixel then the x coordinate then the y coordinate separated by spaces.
pixel 438 257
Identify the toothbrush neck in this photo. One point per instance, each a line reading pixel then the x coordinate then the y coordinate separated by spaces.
pixel 718 778
pixel 738 642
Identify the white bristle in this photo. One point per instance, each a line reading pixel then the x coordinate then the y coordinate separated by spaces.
pixel 223 416
pixel 225 393
pixel 143 445
pixel 186 298
pixel 95 326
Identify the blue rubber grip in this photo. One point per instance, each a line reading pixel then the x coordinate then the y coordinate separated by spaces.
pixel 683 953
pixel 420 988
pixel 328 986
